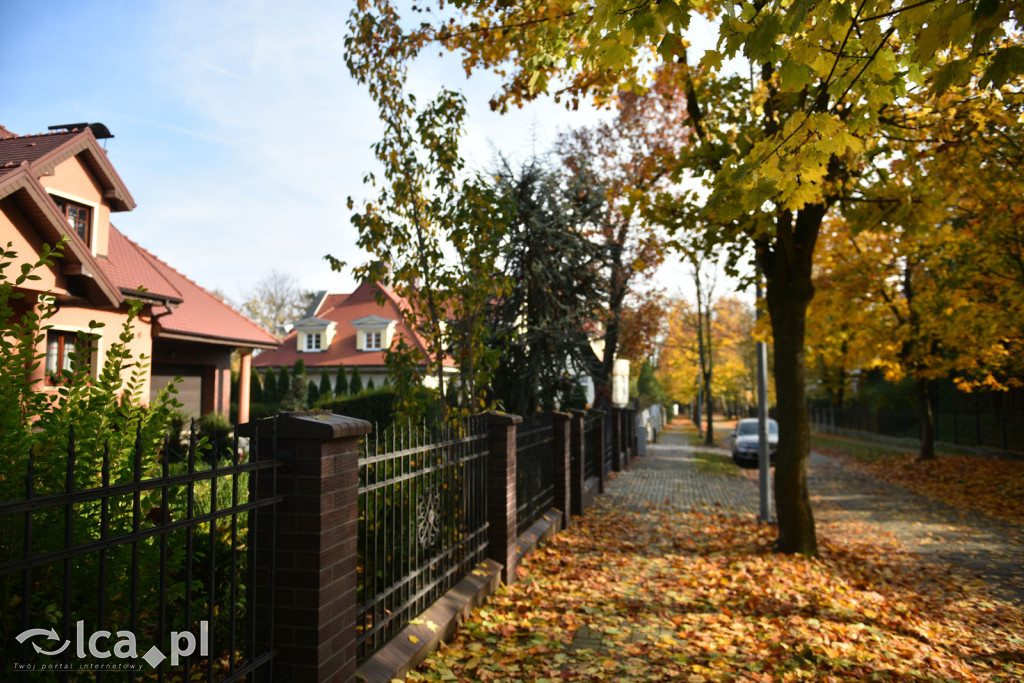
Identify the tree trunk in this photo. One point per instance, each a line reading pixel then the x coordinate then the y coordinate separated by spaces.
pixel 709 436
pixel 787 263
pixel 924 406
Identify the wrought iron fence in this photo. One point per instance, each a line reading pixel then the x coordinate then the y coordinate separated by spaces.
pixel 422 522
pixel 160 553
pixel 1001 430
pixel 535 481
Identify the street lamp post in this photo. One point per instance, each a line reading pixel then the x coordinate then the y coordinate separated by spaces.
pixel 764 486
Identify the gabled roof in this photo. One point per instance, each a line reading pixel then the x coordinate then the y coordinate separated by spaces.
pixel 182 309
pixel 43 152
pixel 78 263
pixel 343 310
pixel 187 311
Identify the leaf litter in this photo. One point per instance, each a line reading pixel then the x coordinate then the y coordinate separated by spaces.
pixel 670 595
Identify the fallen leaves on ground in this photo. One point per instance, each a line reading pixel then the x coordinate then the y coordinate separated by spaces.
pixel 668 595
pixel 991 486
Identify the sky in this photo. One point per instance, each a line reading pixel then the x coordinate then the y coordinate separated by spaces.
pixel 238 129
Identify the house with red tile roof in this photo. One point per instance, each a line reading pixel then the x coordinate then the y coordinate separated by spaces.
pixel 349 330
pixel 62 185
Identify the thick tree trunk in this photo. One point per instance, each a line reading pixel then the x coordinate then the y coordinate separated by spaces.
pixel 787 265
pixel 924 407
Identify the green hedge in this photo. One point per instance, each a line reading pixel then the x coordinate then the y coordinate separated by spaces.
pixel 376 407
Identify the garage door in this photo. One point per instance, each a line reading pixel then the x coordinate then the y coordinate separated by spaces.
pixel 190 389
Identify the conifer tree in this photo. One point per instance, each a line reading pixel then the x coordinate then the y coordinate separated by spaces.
pixel 341 383
pixel 325 384
pixel 355 385
pixel 270 386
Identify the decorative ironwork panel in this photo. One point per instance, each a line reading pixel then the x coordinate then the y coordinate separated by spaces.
pixel 422 522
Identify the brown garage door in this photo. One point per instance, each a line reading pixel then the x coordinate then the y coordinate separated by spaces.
pixel 190 388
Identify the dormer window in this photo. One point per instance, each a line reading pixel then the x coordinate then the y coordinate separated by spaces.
pixel 79 217
pixel 373 333
pixel 314 335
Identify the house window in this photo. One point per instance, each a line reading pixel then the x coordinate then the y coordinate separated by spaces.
pixel 312 341
pixel 59 347
pixel 79 217
pixel 371 342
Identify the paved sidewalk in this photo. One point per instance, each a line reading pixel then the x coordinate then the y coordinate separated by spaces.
pixel 682 476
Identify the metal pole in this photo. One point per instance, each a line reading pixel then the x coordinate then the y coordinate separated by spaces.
pixel 763 455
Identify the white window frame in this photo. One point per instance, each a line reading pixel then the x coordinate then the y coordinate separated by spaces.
pixel 373 340
pixel 314 341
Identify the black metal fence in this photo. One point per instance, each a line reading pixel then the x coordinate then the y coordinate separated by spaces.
pixel 1002 431
pixel 594 436
pixel 146 574
pixel 535 484
pixel 422 522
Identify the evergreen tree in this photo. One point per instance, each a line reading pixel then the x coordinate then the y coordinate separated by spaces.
pixel 355 384
pixel 647 386
pixel 325 384
pixel 312 393
pixel 284 383
pixel 541 323
pixel 270 394
pixel 255 389
pixel 341 383
pixel 369 385
pixel 297 395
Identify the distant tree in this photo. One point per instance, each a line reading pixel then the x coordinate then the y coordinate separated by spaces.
pixel 297 395
pixel 284 382
pixel 341 383
pixel 369 385
pixel 255 388
pixel 355 384
pixel 270 386
pixel 542 323
pixel 312 393
pixel 274 301
pixel 325 383
pixel 647 386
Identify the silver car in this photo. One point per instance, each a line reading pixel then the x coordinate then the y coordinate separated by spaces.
pixel 745 441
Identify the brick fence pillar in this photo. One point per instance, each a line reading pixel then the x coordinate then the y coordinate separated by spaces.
pixel 561 452
pixel 617 439
pixel 310 580
pixel 501 492
pixel 578 451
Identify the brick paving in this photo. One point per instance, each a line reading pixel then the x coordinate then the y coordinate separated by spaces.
pixel 671 474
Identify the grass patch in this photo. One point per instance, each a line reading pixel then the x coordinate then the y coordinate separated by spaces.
pixel 862 451
pixel 715 462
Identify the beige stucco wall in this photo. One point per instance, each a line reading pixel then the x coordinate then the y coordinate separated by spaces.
pixel 16 229
pixel 75 319
pixel 74 181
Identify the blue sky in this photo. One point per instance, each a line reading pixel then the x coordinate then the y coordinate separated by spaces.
pixel 237 127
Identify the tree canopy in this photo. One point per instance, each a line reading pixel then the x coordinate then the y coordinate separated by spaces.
pixel 775 151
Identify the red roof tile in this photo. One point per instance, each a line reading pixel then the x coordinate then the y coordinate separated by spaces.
pixel 129 267
pixel 194 312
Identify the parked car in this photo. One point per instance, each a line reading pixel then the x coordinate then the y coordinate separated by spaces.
pixel 745 442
